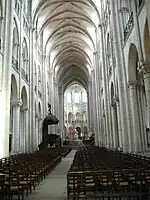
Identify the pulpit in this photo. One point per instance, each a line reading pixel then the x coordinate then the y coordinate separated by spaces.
pixel 50 119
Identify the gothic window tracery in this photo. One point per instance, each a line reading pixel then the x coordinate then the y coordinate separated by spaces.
pixel 69 97
pixel 84 97
pixel 76 97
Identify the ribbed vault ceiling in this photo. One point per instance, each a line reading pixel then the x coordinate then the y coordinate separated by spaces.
pixel 68 27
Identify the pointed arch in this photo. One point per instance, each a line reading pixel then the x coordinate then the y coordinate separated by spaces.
pixel 25 60
pixel 24 97
pixel 15 50
pixel 78 117
pixel 39 110
pixel 147 41
pixel 132 63
pixel 70 117
pixel 84 116
pixel 14 89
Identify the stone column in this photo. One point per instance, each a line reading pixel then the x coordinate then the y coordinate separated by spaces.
pixel 61 114
pixel 115 126
pixel 33 131
pixel 113 131
pixel 90 104
pixel 94 104
pixel 5 82
pixel 36 130
pixel 121 75
pixel 97 87
pixel 26 136
pixel 39 130
pixel 119 124
pixel 96 98
pixel 135 117
pixel 16 128
pixel 145 68
pixel 22 130
pixel 31 92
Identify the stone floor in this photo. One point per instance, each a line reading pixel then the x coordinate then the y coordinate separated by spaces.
pixel 54 187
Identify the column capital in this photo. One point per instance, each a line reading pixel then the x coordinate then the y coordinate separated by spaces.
pixel 17 103
pixel 132 84
pixel 25 109
pixel 144 66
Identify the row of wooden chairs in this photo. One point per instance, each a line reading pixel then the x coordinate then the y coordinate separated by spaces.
pixel 21 173
pixel 99 173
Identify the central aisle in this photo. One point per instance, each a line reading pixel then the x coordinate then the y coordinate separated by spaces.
pixel 55 184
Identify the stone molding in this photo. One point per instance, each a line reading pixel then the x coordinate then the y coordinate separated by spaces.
pixel 144 66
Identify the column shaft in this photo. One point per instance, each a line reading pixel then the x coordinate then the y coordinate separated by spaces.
pixel 135 117
pixel 6 79
pixel 27 144
pixel 16 128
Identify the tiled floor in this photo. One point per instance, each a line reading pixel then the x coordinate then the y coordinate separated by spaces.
pixel 54 187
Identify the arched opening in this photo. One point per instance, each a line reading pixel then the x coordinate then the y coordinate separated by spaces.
pixel 137 107
pixel 76 97
pixel 146 83
pixel 133 64
pixel 76 105
pixel 24 121
pixel 70 117
pixel 15 50
pixel 13 107
pixel 109 55
pixel 25 60
pixel 78 117
pixel 147 42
